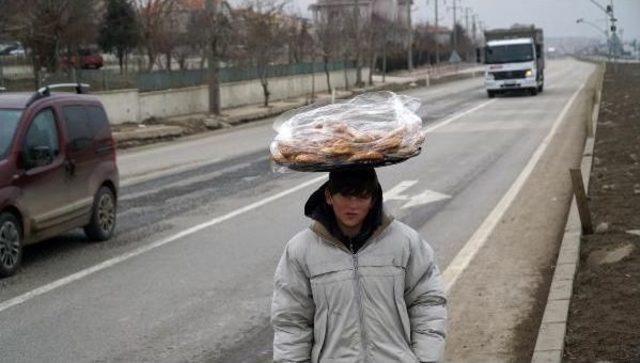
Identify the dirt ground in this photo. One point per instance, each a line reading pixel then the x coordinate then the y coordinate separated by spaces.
pixel 604 316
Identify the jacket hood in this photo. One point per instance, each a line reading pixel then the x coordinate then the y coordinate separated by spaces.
pixel 317 209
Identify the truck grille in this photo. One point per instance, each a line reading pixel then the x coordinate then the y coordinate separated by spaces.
pixel 509 75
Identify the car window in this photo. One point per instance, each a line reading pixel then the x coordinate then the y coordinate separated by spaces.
pixel 9 120
pixel 98 121
pixel 42 144
pixel 78 129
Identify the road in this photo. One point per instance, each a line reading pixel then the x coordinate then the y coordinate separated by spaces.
pixel 202 224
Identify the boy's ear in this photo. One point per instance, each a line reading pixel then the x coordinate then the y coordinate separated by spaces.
pixel 327 197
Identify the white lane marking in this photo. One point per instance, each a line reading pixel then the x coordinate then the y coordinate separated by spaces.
pixel 395 193
pixel 426 197
pixel 113 261
pixel 455 117
pixel 480 236
pixel 108 263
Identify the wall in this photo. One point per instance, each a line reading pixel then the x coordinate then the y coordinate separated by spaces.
pixel 132 106
pixel 121 105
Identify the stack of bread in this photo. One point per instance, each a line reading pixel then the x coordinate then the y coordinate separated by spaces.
pixel 372 129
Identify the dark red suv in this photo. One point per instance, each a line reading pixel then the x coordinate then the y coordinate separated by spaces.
pixel 57 169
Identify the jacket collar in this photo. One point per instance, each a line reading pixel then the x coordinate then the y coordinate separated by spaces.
pixel 320 230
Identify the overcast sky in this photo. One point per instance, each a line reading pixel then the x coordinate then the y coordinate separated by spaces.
pixel 556 17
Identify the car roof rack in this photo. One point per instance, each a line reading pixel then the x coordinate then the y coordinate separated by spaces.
pixel 45 91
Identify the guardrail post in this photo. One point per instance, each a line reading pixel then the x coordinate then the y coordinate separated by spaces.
pixel 581 201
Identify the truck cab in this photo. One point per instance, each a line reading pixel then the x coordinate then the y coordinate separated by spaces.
pixel 514 63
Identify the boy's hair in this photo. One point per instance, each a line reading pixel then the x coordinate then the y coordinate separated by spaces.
pixel 360 182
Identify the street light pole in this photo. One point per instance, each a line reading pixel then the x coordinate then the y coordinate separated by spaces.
pixel 604 32
pixel 611 25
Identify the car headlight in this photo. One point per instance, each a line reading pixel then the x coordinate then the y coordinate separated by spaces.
pixel 528 73
pixel 489 76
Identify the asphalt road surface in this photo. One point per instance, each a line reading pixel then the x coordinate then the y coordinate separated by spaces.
pixel 202 224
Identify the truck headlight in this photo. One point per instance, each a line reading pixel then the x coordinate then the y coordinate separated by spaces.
pixel 528 73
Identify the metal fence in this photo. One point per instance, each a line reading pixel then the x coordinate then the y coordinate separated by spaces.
pixel 103 80
pixel 176 79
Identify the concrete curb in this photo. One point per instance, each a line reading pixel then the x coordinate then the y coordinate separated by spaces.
pixel 147 133
pixel 551 335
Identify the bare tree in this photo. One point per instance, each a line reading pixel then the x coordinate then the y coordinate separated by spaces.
pixel 264 37
pixel 49 27
pixel 328 39
pixel 424 44
pixel 299 40
pixel 380 34
pixel 156 17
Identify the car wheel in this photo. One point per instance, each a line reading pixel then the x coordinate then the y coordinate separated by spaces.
pixel 103 216
pixel 10 244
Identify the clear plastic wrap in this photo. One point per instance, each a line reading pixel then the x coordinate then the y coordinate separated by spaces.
pixel 373 129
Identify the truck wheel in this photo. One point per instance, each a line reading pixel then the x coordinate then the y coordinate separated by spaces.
pixel 534 91
pixel 540 88
pixel 491 94
pixel 103 216
pixel 10 244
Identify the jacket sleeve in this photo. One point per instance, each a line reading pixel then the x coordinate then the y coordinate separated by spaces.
pixel 292 312
pixel 426 303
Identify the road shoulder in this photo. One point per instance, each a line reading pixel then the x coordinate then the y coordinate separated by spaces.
pixel 496 305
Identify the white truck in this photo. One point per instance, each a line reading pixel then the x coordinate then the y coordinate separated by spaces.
pixel 514 60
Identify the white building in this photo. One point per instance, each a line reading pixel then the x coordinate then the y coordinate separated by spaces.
pixel 391 10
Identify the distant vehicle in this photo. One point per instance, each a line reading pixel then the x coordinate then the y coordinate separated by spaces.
pixel 514 60
pixel 13 48
pixel 86 59
pixel 57 170
pixel 19 52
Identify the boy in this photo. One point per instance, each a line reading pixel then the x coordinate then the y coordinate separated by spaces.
pixel 356 286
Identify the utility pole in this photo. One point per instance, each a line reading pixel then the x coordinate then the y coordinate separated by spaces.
pixel 455 29
pixel 436 36
pixel 468 33
pixel 408 4
pixel 611 24
pixel 466 13
pixel 212 58
pixel 475 28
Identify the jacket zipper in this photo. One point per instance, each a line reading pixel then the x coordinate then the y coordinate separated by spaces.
pixel 356 281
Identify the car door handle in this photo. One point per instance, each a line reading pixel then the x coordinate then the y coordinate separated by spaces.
pixel 104 149
pixel 70 166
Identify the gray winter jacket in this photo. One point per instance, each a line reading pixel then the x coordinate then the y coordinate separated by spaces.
pixel 383 304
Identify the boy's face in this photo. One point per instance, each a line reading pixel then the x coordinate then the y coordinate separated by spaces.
pixel 350 211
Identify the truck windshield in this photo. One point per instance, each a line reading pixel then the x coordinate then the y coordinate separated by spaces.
pixel 8 123
pixel 509 53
